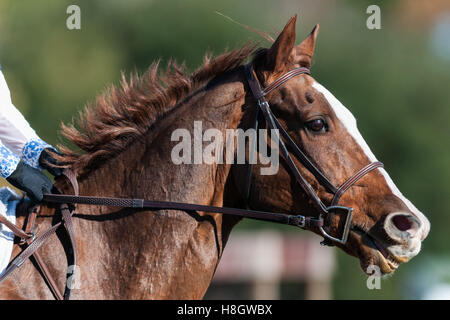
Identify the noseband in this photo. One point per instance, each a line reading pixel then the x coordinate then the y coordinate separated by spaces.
pixel 323 210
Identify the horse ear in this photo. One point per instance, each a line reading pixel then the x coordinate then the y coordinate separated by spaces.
pixel 305 50
pixel 282 48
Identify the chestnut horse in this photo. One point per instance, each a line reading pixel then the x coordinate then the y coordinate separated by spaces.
pixel 172 254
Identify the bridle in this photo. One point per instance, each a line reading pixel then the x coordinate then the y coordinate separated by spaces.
pixel 323 210
pixel 33 242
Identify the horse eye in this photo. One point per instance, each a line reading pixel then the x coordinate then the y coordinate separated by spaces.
pixel 316 125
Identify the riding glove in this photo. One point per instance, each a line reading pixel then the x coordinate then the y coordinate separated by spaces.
pixel 46 161
pixel 30 180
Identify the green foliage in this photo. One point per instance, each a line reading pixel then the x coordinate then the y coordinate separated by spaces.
pixel 389 78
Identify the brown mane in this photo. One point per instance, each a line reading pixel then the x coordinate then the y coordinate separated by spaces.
pixel 122 114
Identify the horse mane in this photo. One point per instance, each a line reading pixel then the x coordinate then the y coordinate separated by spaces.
pixel 122 114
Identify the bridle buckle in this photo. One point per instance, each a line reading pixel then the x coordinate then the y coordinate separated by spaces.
pixel 348 212
pixel 297 220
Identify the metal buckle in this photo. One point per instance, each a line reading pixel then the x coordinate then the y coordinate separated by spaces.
pixel 32 236
pixel 343 239
pixel 298 220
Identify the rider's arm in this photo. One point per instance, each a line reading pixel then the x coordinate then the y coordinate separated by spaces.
pixel 16 133
pixel 8 161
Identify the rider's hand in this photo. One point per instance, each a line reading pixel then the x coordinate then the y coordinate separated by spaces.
pixel 30 180
pixel 46 160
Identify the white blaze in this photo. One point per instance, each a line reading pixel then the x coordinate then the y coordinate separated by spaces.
pixel 349 122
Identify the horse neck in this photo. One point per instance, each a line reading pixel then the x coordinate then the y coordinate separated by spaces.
pixel 136 171
pixel 184 247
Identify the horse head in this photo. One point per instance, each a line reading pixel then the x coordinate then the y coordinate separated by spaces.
pixel 386 229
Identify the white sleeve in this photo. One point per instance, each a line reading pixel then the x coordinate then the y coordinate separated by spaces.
pixel 15 132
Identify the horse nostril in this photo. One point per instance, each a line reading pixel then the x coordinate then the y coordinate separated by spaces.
pixel 399 224
pixel 402 223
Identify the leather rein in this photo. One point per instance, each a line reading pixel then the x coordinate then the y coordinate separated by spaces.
pixel 32 242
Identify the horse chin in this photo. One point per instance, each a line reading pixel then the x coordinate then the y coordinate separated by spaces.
pixel 386 266
pixel 373 257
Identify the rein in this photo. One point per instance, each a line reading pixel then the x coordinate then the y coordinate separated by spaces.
pixel 33 242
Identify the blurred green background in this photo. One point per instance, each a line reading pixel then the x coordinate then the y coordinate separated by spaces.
pixel 395 81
